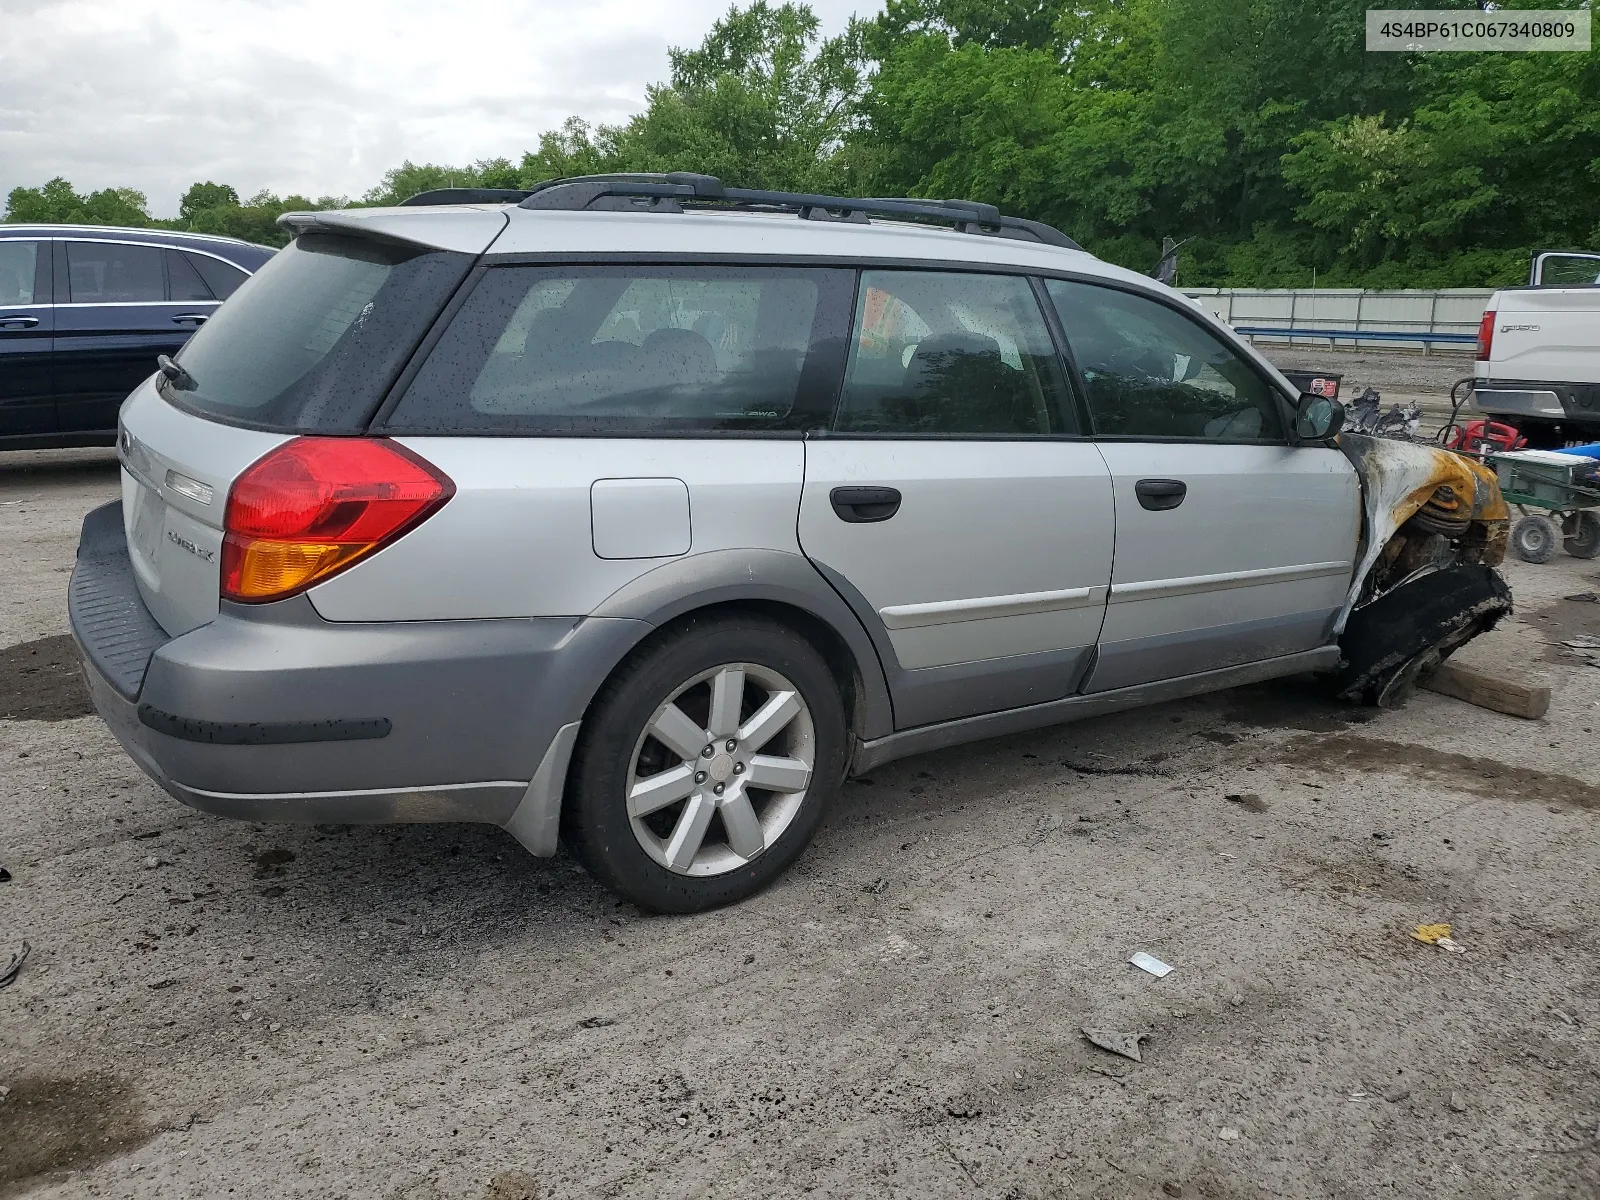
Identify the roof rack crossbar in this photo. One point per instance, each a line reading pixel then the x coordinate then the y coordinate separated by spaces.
pixel 668 193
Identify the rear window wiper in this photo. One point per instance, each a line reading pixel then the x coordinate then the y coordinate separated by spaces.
pixel 180 378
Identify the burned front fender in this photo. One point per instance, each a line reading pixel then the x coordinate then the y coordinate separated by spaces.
pixel 1425 509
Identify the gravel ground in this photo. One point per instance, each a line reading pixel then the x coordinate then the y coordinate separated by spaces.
pixel 1402 376
pixel 414 1013
pixel 1402 372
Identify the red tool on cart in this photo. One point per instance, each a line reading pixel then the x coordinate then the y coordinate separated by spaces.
pixel 1484 436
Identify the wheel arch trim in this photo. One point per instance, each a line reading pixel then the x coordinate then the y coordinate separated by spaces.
pixel 719 579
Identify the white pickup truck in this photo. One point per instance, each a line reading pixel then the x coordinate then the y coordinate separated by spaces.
pixel 1538 365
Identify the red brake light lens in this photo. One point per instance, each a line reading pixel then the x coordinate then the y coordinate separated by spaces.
pixel 315 506
pixel 1485 336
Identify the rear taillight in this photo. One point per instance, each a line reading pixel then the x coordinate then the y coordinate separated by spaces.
pixel 315 506
pixel 1485 336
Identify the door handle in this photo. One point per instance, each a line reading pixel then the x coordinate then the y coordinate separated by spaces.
pixel 18 322
pixel 1160 494
pixel 190 319
pixel 863 505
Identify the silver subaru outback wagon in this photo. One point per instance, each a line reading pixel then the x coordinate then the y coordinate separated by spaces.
pixel 639 511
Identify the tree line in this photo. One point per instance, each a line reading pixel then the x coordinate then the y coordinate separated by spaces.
pixel 1259 133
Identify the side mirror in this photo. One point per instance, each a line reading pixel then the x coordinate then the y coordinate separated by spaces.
pixel 1317 418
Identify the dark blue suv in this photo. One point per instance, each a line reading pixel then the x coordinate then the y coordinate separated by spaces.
pixel 85 310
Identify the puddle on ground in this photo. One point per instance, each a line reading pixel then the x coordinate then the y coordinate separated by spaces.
pixel 1479 776
pixel 42 680
pixel 49 1124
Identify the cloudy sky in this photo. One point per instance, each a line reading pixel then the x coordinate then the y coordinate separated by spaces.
pixel 316 97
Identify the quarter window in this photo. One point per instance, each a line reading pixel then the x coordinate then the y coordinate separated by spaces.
pixel 631 350
pixel 948 353
pixel 114 273
pixel 1151 372
pixel 19 263
pixel 183 280
pixel 222 279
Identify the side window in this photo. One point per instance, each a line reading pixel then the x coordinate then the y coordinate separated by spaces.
pixel 183 280
pixel 114 273
pixel 1152 372
pixel 19 264
pixel 948 353
pixel 222 279
pixel 633 350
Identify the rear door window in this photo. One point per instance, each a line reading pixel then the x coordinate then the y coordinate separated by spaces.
pixel 315 341
pixel 634 350
pixel 953 354
pixel 114 273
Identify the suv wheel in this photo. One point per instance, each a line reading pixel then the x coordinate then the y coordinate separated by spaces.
pixel 706 764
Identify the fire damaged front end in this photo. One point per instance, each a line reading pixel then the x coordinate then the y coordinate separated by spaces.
pixel 1434 529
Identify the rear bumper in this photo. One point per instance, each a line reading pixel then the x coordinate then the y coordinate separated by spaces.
pixel 1573 403
pixel 271 713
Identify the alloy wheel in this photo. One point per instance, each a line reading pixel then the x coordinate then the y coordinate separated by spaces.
pixel 721 769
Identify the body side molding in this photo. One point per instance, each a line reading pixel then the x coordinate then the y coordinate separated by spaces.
pixel 1077 708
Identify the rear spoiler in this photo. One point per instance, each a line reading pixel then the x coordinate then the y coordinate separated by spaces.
pixel 466 230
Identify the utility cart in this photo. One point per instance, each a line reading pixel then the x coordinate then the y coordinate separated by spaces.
pixel 1565 488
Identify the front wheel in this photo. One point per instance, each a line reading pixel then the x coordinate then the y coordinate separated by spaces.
pixel 706 764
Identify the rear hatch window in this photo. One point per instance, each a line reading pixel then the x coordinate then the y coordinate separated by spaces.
pixel 312 342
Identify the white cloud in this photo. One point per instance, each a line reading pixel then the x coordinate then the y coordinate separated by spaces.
pixel 316 97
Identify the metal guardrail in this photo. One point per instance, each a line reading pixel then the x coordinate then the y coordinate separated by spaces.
pixel 1446 317
pixel 1335 336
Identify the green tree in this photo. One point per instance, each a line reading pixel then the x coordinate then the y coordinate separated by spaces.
pixel 57 202
pixel 409 178
pixel 203 196
pixel 575 149
pixel 764 101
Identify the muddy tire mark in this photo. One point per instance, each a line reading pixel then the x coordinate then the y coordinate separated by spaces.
pixel 1485 777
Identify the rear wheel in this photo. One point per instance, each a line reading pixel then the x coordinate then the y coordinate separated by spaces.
pixel 1535 539
pixel 1398 640
pixel 706 765
pixel 1583 538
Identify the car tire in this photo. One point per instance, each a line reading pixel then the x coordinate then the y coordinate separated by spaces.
pixel 663 805
pixel 1394 643
pixel 1535 539
pixel 1584 540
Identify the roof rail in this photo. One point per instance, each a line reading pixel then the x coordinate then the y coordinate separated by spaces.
pixel 670 192
pixel 466 196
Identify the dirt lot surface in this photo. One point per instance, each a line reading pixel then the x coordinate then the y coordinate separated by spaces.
pixel 214 1008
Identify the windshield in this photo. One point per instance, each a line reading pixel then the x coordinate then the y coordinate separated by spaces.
pixel 311 343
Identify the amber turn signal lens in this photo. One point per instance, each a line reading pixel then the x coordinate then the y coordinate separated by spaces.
pixel 315 506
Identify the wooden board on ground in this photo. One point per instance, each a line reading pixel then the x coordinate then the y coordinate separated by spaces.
pixel 1510 696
